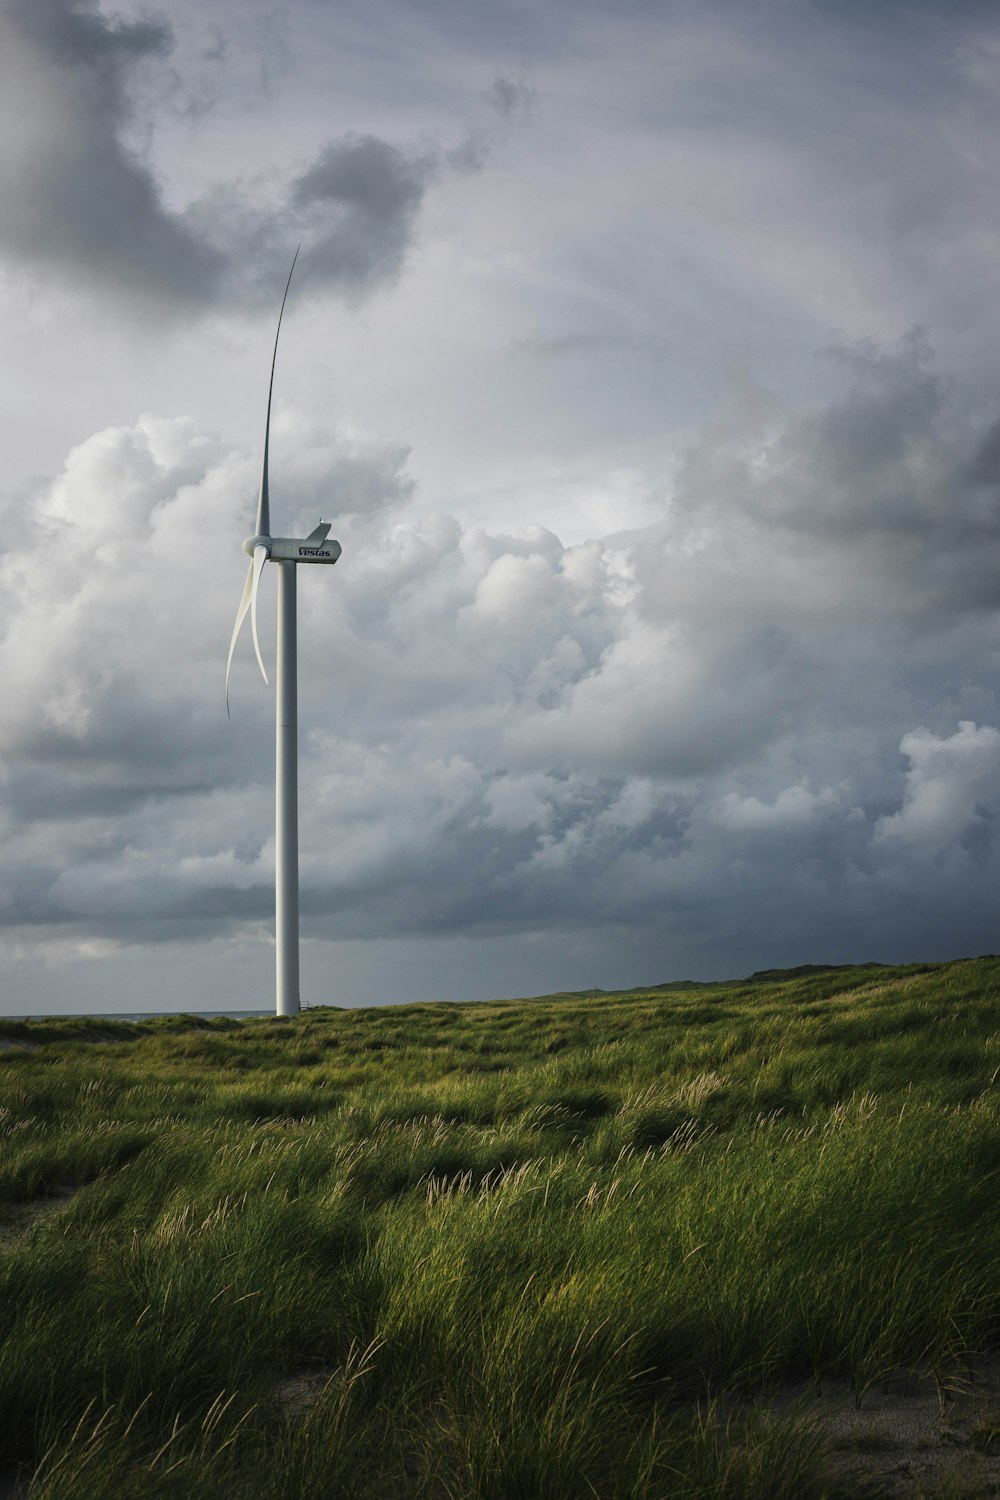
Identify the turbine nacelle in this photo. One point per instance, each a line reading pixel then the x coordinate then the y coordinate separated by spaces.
pixel 303 550
pixel 314 548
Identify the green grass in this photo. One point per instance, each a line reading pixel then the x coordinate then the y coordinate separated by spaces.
pixel 553 1248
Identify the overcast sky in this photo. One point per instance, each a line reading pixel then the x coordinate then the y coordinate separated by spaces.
pixel 645 358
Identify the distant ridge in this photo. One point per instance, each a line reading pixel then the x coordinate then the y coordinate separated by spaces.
pixel 760 976
pixel 683 984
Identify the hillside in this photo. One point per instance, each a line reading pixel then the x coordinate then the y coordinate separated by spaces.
pixel 601 1244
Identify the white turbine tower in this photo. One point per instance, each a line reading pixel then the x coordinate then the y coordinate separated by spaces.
pixel 289 553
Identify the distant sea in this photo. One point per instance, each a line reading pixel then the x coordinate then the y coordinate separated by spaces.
pixel 138 1015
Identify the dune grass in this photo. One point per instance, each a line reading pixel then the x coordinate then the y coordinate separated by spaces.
pixel 550 1248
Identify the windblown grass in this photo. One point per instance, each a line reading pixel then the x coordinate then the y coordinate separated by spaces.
pixel 550 1248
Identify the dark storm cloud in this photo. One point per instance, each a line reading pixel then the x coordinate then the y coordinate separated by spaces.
pixel 758 724
pixel 357 205
pixel 75 197
pixel 76 34
pixel 768 724
pixel 82 200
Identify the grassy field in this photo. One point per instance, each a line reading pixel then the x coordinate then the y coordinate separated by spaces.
pixel 553 1248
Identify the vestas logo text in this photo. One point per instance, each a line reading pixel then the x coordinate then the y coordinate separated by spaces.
pixel 313 552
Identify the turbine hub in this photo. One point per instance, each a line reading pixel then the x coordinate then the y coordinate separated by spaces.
pixel 256 541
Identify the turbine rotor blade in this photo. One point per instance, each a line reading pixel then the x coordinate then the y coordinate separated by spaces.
pixel 263 503
pixel 241 615
pixel 260 556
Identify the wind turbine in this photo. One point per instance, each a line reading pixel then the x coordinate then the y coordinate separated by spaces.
pixel 289 553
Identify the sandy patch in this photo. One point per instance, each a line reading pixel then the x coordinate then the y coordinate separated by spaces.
pixel 910 1436
pixel 17 1218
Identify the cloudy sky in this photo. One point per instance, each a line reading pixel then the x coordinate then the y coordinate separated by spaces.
pixel 645 359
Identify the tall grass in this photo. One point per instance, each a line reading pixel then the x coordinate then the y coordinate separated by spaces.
pixel 556 1248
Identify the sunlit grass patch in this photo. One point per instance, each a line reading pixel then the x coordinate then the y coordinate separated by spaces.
pixel 559 1247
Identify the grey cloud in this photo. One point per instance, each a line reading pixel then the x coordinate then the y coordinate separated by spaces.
pixel 779 737
pixel 77 34
pixel 761 729
pixel 985 466
pixel 277 56
pixel 510 102
pixel 76 198
pixel 216 50
pixel 512 98
pixel 82 201
pixel 882 497
pixel 567 345
pixel 357 204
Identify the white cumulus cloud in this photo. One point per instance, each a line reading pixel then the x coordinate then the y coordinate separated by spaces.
pixel 953 781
